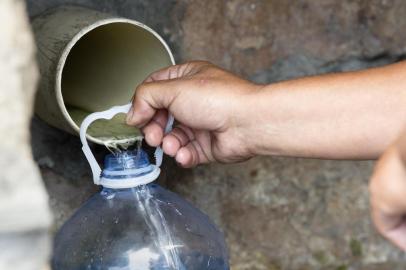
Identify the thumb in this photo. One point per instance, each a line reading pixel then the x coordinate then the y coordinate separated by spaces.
pixel 159 90
pixel 150 97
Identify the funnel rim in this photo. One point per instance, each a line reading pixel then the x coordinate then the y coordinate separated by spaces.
pixel 66 51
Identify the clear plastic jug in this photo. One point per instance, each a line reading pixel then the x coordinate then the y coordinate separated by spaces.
pixel 134 224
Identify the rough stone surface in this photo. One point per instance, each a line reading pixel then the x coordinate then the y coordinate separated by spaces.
pixel 276 213
pixel 24 212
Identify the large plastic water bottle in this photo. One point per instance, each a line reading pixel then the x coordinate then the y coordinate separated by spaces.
pixel 134 224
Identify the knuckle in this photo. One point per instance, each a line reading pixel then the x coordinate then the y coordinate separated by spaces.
pixel 201 62
pixel 140 91
pixel 144 113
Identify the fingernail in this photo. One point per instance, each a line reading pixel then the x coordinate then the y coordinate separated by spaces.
pixel 130 115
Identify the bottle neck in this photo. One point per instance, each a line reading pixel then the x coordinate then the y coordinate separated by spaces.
pixel 128 169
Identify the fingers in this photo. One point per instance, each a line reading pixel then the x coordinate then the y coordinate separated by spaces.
pixel 152 95
pixel 176 71
pixel 401 146
pixel 159 90
pixel 388 200
pixel 152 99
pixel 190 155
pixel 183 143
pixel 176 139
pixel 187 156
pixel 149 98
pixel 392 228
pixel 142 114
pixel 154 130
pixel 168 73
pixel 179 144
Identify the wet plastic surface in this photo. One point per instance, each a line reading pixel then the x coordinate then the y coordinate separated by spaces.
pixel 143 228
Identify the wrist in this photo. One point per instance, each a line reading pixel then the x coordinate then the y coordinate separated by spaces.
pixel 247 119
pixel 263 120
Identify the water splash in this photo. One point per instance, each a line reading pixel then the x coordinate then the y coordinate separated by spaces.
pixel 118 144
pixel 154 218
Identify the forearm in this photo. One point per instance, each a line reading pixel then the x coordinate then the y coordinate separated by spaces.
pixel 353 115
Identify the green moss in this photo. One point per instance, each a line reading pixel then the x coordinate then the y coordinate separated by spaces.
pixel 356 248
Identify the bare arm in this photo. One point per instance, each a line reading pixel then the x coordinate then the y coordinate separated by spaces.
pixel 223 118
pixel 353 115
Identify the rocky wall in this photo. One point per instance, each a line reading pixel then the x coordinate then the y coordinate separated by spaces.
pixel 277 213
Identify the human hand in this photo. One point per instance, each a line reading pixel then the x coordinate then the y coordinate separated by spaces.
pixel 388 193
pixel 209 105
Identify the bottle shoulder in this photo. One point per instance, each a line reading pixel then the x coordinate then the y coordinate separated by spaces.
pixel 149 218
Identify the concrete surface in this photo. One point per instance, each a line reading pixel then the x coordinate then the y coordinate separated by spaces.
pixel 24 212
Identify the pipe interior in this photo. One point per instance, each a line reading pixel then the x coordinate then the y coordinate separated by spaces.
pixel 102 70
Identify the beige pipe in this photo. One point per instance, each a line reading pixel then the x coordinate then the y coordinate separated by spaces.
pixel 91 61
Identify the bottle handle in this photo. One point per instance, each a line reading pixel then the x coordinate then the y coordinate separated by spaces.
pixel 108 114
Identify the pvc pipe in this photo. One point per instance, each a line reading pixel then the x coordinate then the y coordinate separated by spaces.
pixel 90 61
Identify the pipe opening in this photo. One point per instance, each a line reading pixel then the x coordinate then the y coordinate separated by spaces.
pixel 102 70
